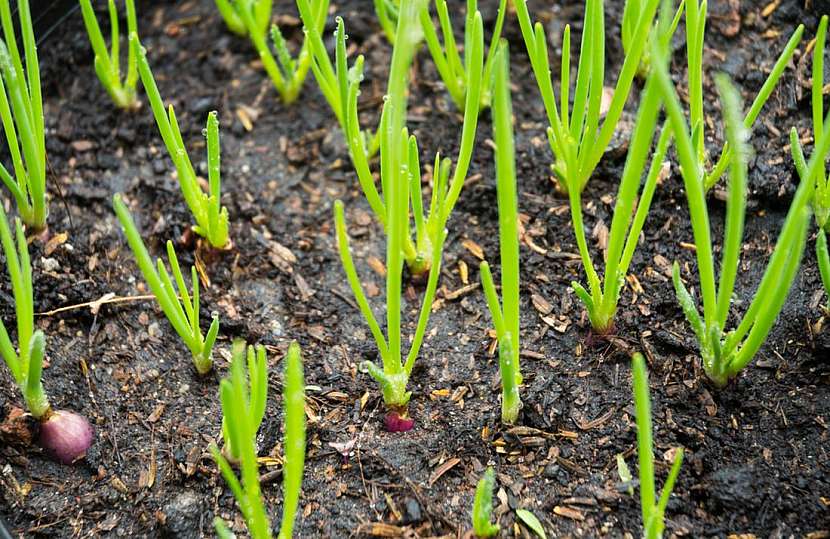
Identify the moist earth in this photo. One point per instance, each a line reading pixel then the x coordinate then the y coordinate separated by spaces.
pixel 756 451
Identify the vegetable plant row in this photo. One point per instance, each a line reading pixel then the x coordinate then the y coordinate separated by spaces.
pixel 582 118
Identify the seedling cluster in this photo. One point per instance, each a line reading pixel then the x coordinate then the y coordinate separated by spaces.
pixel 582 117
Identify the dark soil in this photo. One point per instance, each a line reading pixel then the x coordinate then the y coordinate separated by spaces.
pixel 756 452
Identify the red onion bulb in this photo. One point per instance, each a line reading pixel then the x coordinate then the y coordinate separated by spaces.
pixel 397 423
pixel 65 436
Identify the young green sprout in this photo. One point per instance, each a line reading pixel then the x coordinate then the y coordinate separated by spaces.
pixel 823 256
pixel 259 10
pixel 340 85
pixel 65 435
pixel 505 313
pixel 631 16
pixel 183 314
pixel 108 62
pixel 401 184
pixel 601 299
pixel 211 218
pixel 256 391
pixel 483 506
pixel 242 420
pixel 726 353
pixel 251 18
pixel 653 509
pixel 387 13
pixel 21 110
pixel 577 139
pixel 821 197
pixel 696 11
pixel 450 65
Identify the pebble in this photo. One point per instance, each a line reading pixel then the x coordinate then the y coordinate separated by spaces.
pixel 412 511
pixel 159 166
pixel 201 106
pixel 183 513
pixel 50 264
pixel 107 161
pixel 154 330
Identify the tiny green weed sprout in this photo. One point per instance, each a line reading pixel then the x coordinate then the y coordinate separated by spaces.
pixel 241 418
pixel 577 139
pixel 483 506
pixel 505 313
pixel 211 218
pixel 64 435
pixel 726 353
pixel 256 394
pixel 287 72
pixel 821 197
pixel 653 508
pixel 340 85
pixel 108 62
pixel 183 313
pixel 696 11
pixel 625 474
pixel 259 10
pixel 601 299
pixel 452 68
pixel 21 110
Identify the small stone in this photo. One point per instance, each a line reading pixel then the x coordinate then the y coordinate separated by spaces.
pixel 50 264
pixel 159 166
pixel 184 514
pixel 201 106
pixel 412 511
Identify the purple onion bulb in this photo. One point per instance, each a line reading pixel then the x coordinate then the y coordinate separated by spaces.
pixel 65 436
pixel 397 423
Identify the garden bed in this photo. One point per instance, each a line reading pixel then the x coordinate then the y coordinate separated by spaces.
pixel 756 452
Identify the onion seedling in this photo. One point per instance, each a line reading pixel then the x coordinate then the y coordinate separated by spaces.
pixel 340 85
pixel 696 11
pixel 211 218
pixel 577 139
pixel 505 313
pixel 724 353
pixel 260 13
pixel 823 256
pixel 451 67
pixel 483 506
pixel 401 182
pixel 242 419
pixel 108 62
pixel 287 72
pixel 183 313
pixel 387 13
pixel 601 299
pixel 64 435
pixel 256 391
pixel 653 509
pixel 21 110
pixel 628 28
pixel 821 197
